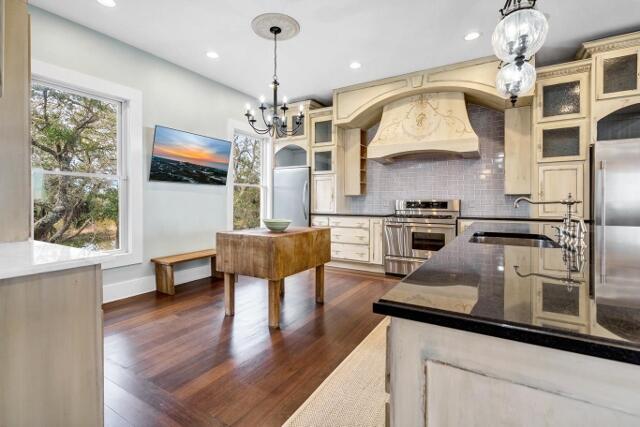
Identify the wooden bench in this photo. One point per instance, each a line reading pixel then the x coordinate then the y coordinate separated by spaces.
pixel 164 268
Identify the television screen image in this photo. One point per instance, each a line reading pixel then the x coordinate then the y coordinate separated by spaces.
pixel 180 156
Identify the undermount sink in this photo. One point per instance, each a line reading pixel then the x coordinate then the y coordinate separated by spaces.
pixel 513 239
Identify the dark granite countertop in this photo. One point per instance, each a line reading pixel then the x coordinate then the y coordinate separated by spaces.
pixel 353 214
pixel 512 219
pixel 525 294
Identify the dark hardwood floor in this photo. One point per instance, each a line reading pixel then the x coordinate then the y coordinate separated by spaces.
pixel 178 361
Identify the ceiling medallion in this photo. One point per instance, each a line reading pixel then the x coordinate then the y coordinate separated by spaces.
pixel 518 36
pixel 275 26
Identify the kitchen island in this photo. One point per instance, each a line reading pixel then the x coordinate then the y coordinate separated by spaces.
pixel 273 256
pixel 502 334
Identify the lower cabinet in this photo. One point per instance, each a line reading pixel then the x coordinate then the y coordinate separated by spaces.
pixel 376 230
pixel 349 252
pixel 323 193
pixel 353 238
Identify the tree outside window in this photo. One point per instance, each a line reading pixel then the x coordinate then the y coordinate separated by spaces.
pixel 248 189
pixel 75 141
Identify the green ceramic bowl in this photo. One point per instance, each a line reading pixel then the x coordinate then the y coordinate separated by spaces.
pixel 278 225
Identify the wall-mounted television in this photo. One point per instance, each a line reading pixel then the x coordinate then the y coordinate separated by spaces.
pixel 180 156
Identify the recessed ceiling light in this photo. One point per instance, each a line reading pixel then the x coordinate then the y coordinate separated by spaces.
pixel 471 36
pixel 355 65
pixel 213 55
pixel 108 3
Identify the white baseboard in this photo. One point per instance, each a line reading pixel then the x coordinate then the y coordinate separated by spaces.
pixel 141 285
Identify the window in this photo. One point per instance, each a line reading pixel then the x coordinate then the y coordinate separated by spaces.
pixel 75 153
pixel 249 189
pixel 87 164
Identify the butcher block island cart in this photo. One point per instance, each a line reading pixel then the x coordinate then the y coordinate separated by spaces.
pixel 272 256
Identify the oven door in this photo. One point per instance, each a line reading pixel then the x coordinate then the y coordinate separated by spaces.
pixel 422 240
pixel 393 239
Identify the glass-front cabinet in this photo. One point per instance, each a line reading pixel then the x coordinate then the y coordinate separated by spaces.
pixel 562 141
pixel 323 160
pixel 563 98
pixel 618 73
pixel 290 120
pixel 321 131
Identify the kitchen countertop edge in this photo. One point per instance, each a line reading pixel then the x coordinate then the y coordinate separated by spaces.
pixel 602 348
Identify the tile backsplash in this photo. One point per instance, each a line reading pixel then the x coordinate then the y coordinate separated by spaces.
pixel 479 183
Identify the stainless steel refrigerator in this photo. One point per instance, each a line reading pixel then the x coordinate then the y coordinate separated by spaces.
pixel 616 209
pixel 291 195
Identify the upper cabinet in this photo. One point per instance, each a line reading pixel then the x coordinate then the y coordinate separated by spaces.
pixel 562 141
pixel 324 160
pixel 321 131
pixel 562 98
pixel 618 73
pixel 302 133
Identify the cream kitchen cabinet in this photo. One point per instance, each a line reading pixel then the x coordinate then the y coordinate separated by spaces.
pixel 356 241
pixel 562 98
pixel 349 221
pixel 323 160
pixel 349 252
pixel 350 237
pixel 555 182
pixel 358 236
pixel 323 189
pixel 562 141
pixel 322 128
pixel 376 250
pixel 618 73
pixel 319 221
pixel 517 150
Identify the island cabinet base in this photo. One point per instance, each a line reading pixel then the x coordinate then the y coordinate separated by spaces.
pixel 446 377
pixel 51 368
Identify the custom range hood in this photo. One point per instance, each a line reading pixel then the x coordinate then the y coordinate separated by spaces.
pixel 429 125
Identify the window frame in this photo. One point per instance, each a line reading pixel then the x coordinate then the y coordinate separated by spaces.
pixel 266 176
pixel 130 153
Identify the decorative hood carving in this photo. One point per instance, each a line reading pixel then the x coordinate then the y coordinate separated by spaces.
pixel 426 125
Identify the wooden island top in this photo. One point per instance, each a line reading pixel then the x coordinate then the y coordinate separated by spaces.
pixel 273 256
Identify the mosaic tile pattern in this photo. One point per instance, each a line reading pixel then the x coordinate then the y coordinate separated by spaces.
pixel 479 183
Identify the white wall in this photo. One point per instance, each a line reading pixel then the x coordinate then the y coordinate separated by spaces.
pixel 177 217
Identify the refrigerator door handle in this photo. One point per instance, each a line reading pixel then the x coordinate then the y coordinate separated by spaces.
pixel 305 192
pixel 603 219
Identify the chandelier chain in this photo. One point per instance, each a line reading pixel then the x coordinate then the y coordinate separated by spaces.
pixel 275 56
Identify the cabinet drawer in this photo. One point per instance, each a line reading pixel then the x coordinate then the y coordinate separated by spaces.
pixel 319 221
pixel 350 235
pixel 352 222
pixel 350 252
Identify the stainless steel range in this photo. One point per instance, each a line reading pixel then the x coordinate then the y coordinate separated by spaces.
pixel 417 230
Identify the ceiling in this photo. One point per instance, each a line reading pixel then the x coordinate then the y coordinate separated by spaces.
pixel 387 37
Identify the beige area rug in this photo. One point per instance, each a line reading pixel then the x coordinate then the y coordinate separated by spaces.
pixel 353 395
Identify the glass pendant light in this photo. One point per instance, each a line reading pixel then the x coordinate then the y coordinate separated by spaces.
pixel 515 79
pixel 520 35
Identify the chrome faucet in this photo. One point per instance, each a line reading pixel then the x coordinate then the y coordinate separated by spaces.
pixel 569 201
pixel 569 236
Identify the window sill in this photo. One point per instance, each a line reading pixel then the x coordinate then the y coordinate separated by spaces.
pixel 118 259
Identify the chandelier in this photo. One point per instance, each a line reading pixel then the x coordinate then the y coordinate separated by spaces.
pixel 273 26
pixel 518 36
